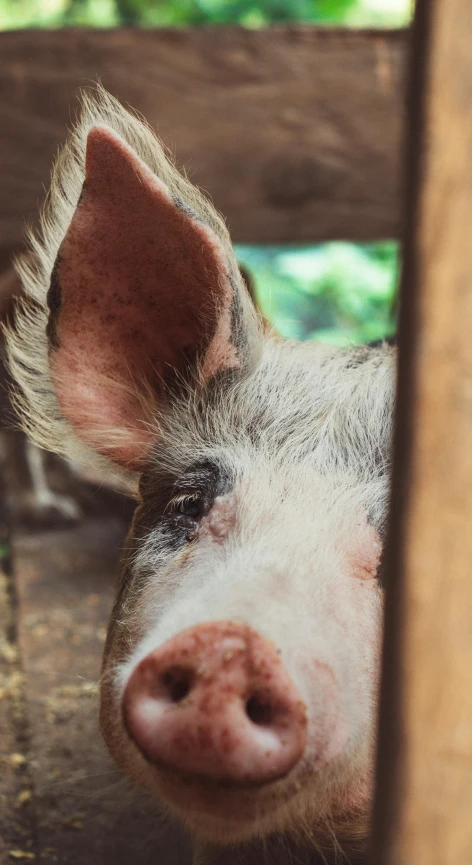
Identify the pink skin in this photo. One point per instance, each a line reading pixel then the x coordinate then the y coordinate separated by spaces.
pixel 222 518
pixel 216 702
pixel 229 794
pixel 126 242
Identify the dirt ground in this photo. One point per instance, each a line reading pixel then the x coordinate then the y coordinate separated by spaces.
pixel 61 799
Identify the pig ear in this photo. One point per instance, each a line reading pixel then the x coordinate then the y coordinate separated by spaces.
pixel 142 292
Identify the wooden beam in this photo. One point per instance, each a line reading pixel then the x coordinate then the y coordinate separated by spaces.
pixel 424 808
pixel 295 132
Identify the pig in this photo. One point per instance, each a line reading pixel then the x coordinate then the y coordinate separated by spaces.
pixel 241 666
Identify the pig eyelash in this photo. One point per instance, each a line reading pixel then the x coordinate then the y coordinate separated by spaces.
pixel 186 510
pixel 188 504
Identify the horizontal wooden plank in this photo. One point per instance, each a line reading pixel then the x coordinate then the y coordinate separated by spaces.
pixel 295 132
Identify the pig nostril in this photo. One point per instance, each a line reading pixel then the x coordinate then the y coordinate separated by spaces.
pixel 215 702
pixel 259 711
pixel 177 683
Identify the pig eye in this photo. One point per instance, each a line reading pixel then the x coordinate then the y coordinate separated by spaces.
pixel 188 506
pixel 186 510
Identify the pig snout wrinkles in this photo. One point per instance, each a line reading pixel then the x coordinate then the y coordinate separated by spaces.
pixel 216 701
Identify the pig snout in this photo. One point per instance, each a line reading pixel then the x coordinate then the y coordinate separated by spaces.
pixel 216 702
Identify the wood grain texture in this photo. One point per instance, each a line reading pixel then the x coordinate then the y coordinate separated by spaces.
pixel 295 132
pixel 424 811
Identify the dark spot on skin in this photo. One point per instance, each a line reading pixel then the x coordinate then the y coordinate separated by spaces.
pixel 249 283
pixel 82 191
pixel 238 331
pixel 381 571
pixel 358 356
pixel 54 295
pixel 185 208
pixel 378 343
pixel 54 302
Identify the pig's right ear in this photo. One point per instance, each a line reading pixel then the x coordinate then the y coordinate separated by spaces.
pixel 142 292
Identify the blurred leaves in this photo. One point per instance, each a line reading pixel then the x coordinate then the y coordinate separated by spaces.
pixel 339 293
pixel 194 13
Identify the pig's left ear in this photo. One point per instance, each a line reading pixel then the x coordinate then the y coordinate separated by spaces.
pixel 143 292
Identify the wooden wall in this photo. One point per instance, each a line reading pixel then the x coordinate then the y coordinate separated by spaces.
pixel 295 132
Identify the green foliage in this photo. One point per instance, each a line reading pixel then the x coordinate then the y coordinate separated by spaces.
pixel 338 293
pixel 194 13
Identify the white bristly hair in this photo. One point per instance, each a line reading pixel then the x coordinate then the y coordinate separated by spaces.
pixel 302 435
pixel 294 386
pixel 27 345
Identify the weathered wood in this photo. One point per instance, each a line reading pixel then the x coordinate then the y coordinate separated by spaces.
pixel 424 811
pixel 295 132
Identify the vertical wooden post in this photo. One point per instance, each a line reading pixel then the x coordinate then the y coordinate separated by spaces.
pixel 424 803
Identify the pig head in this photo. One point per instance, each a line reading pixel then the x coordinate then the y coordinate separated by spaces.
pixel 240 672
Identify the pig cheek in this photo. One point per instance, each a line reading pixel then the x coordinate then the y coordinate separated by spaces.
pixel 369 607
pixel 363 564
pixel 359 796
pixel 367 603
pixel 329 731
pixel 357 612
pixel 364 560
pixel 154 599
